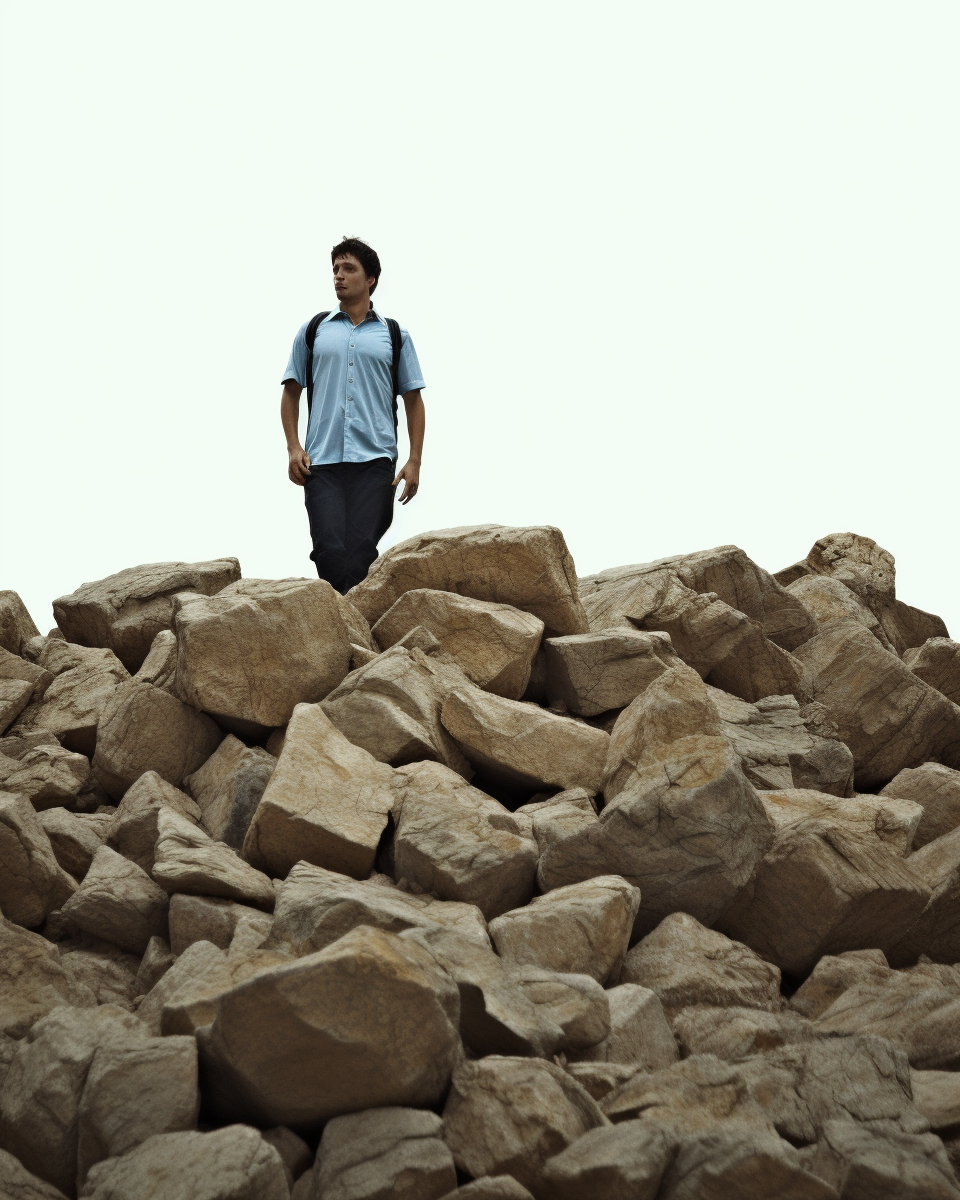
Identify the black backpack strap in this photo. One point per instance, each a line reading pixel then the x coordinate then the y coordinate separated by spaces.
pixel 311 334
pixel 395 345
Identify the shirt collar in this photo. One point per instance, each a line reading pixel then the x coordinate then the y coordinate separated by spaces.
pixel 338 312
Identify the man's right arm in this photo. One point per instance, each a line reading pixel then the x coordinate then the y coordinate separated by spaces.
pixel 299 468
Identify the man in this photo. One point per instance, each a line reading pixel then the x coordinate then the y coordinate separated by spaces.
pixel 347 467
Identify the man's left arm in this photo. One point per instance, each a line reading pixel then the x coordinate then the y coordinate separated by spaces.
pixel 416 424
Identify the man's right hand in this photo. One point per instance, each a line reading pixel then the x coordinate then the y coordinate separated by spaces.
pixel 299 469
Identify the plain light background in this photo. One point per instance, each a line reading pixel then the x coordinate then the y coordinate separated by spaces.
pixel 679 273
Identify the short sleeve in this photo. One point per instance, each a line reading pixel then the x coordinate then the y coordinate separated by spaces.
pixel 297 362
pixel 408 377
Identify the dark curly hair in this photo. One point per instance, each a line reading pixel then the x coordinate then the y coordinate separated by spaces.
pixel 364 254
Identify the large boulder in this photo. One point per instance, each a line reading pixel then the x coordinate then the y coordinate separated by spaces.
pixel 72 706
pixel 612 1161
pixel 126 611
pixel 327 802
pixel 134 826
pixel 747 1165
pixel 592 673
pixel 384 1152
pixel 583 928
pixel 304 1042
pixel 189 860
pixel 681 821
pixel 494 644
pixel 937 662
pixel 16 624
pixel 315 907
pixel 936 789
pixel 727 617
pixel 859 1161
pixel 521 747
pixel 529 568
pixel 119 902
pixel 937 932
pixel 235 1163
pixel 686 964
pixel 510 1115
pixel 32 882
pixel 391 707
pixel 639 1032
pixel 228 788
pixel 48 776
pixel 144 728
pixel 259 647
pixel 457 843
pixel 75 837
pixel 33 981
pixel 888 716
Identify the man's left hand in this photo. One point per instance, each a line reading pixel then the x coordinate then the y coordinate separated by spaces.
pixel 410 474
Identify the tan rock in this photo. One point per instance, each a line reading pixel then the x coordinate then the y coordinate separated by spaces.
pixel 491 1187
pixel 384 1152
pixel 32 981
pixel 228 788
pixel 510 1115
pixel 134 828
pixel 357 625
pixel 133 1092
pixel 16 624
pixel 827 599
pixel 494 644
pixel 327 802
pixel 591 673
pixel 457 843
pixel 184 973
pixel 210 919
pixel 880 820
pixel 696 1095
pixel 391 707
pixel 937 932
pixel 859 1161
pixel 498 1014
pixel 110 973
pixel 315 907
pixel 936 789
pixel 727 618
pixel 72 706
pixel 831 977
pixel 937 662
pixel 195 1000
pixel 19 1184
pixel 144 728
pixel 611 1162
pixel 639 1032
pixel 160 665
pixel 937 1095
pixel 576 1003
pixel 780 747
pixel 521 746
pixel 583 928
pixel 75 837
pixel 32 882
pixel 14 669
pixel 733 1034
pixel 187 860
pixel 234 1163
pixel 119 902
pixel 822 890
pixel 600 1079
pixel 556 825
pixel 15 694
pixel 889 718
pixel 296 1154
pixel 157 959
pixel 260 646
pixel 44 1086
pixel 126 611
pixel 301 1043
pixel 685 964
pixel 681 821
pixel 47 776
pixel 750 1166
pixel 529 568
pixel 917 1010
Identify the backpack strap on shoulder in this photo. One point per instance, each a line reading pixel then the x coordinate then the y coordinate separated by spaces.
pixel 395 345
pixel 311 336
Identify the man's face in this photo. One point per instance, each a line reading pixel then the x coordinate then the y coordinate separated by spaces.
pixel 349 281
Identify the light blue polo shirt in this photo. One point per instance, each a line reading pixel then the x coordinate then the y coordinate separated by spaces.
pixel 351 419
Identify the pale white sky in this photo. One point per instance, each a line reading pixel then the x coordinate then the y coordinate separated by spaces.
pixel 679 273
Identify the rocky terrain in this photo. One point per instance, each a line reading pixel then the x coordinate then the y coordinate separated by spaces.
pixel 483 881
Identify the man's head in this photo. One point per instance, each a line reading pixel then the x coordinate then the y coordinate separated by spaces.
pixel 356 268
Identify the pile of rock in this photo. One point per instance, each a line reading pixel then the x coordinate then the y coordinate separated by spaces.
pixel 484 881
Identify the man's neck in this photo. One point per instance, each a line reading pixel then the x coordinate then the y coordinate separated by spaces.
pixel 356 311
